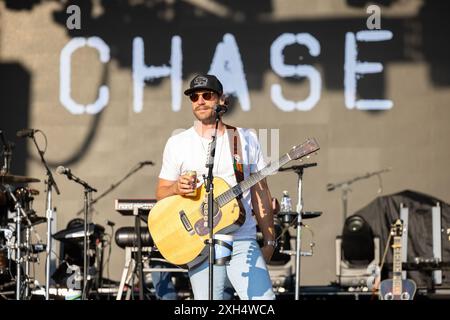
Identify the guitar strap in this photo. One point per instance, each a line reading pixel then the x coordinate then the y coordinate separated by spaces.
pixel 236 154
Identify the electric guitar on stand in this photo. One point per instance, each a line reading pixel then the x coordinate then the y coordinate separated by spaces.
pixel 177 223
pixel 397 288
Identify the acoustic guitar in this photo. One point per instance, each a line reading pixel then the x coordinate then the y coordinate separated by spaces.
pixel 178 225
pixel 397 288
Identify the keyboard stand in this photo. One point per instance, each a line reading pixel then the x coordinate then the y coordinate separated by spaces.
pixel 130 268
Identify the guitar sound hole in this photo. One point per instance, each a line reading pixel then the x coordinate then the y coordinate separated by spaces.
pixel 204 208
pixel 201 225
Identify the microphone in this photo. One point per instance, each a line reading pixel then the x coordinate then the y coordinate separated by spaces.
pixel 221 108
pixel 26 133
pixel 70 176
pixel 110 223
pixel 63 170
pixel 144 163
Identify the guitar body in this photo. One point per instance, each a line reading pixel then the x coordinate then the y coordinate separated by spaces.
pixel 387 292
pixel 176 223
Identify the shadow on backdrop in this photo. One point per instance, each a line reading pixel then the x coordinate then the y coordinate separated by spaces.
pixel 15 82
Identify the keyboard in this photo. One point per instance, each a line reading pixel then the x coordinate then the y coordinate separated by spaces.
pixel 126 206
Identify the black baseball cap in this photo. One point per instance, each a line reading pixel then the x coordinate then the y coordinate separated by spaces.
pixel 205 82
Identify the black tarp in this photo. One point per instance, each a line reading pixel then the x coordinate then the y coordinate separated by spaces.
pixel 382 212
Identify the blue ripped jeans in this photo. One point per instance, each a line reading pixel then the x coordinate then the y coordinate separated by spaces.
pixel 247 272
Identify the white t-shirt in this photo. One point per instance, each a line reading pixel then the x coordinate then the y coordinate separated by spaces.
pixel 188 151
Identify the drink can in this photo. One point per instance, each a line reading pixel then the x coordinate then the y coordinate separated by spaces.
pixel 192 173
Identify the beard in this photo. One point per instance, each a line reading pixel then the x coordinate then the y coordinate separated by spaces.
pixel 205 117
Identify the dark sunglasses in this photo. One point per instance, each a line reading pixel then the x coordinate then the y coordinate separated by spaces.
pixel 208 96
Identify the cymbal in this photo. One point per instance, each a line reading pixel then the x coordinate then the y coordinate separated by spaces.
pixel 10 178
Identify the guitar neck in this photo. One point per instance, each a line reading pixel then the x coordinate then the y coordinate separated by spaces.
pixel 245 185
pixel 397 267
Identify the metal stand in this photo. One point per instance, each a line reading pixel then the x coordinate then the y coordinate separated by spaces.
pixel 87 201
pixel 345 188
pixel 49 213
pixel 18 244
pixel 129 269
pixel 209 187
pixel 87 198
pixel 298 247
pixel 137 226
pixel 27 264
pixel 437 241
pixel 18 252
pixel 299 212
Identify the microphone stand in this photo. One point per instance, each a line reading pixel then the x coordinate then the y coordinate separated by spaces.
pixel 209 187
pixel 87 198
pixel 345 188
pixel 135 169
pixel 299 171
pixel 49 212
pixel 139 166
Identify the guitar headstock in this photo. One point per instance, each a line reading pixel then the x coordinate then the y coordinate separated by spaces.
pixel 307 147
pixel 397 228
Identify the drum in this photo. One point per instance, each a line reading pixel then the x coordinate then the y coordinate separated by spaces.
pixel 4 209
pixel 3 198
pixel 7 271
pixel 4 264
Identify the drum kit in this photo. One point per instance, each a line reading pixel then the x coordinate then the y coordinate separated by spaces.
pixel 17 222
pixel 17 228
